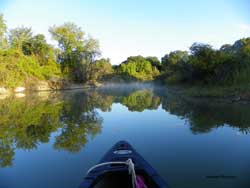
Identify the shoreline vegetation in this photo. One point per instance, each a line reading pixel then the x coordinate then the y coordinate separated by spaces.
pixel 29 62
pixel 233 94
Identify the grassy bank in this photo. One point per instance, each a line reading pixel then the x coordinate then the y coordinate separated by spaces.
pixel 17 69
pixel 229 93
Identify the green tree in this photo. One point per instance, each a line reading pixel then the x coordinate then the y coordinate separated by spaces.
pixel 3 29
pixel 100 69
pixel 18 36
pixel 175 67
pixel 242 48
pixel 77 51
pixel 236 63
pixel 204 59
pixel 154 61
pixel 139 68
pixel 175 58
pixel 38 46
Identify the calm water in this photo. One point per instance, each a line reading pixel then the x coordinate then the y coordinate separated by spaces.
pixel 51 139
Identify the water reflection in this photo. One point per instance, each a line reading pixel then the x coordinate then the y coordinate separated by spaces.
pixel 28 121
pixel 205 115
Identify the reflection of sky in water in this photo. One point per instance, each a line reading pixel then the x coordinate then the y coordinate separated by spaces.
pixel 163 137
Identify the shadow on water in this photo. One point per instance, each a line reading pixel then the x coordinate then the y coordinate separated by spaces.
pixel 28 121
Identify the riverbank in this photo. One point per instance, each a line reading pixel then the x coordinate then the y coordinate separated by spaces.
pixel 235 94
pixel 232 94
pixel 48 86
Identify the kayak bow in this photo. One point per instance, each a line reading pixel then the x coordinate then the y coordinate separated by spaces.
pixel 122 167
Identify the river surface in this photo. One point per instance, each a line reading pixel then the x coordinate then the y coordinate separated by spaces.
pixel 49 140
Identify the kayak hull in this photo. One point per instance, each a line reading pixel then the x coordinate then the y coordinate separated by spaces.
pixel 122 151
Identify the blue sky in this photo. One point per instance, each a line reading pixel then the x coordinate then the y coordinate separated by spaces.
pixel 137 27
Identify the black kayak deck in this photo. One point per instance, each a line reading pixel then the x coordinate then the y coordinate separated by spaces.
pixel 116 175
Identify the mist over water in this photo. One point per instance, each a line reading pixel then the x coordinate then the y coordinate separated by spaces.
pixel 191 143
pixel 130 86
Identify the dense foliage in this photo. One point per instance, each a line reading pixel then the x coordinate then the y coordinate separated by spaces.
pixel 76 51
pixel 140 68
pixel 25 56
pixel 204 65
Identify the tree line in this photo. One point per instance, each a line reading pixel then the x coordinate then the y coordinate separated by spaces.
pixel 27 57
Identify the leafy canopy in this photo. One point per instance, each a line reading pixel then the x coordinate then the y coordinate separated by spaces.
pixel 76 50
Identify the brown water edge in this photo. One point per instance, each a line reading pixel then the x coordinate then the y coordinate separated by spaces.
pixel 42 86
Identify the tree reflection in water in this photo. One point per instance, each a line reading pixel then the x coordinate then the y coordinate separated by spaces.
pixel 28 121
pixel 204 115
